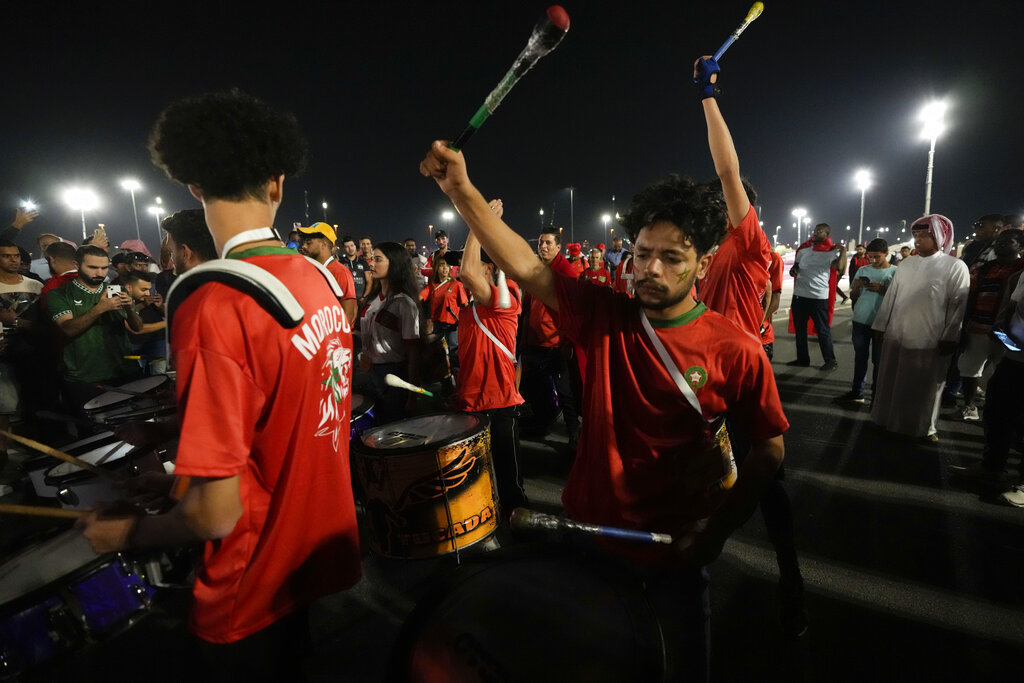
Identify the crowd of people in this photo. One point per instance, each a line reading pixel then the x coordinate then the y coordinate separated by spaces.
pixel 656 354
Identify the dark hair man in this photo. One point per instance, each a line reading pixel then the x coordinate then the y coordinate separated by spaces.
pixel 979 250
pixel 366 248
pixel 190 240
pixel 815 270
pixel 150 343
pixel 263 409
pixel 358 266
pixel 696 365
pixel 91 316
pixel 317 242
pixel 419 261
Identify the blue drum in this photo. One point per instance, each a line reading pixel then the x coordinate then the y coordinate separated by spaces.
pixel 362 416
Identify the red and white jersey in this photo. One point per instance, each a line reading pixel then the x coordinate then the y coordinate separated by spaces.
pixel 597 277
pixel 736 280
pixel 445 299
pixel 271 406
pixel 640 458
pixel 624 275
pixel 775 275
pixel 487 376
pixel 343 276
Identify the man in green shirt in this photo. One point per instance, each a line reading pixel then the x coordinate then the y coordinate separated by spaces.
pixel 91 318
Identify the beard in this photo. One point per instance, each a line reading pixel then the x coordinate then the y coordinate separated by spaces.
pixel 662 302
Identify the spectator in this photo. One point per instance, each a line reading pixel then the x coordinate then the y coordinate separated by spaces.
pixel 60 261
pixel 18 314
pixel 920 319
pixel 149 343
pixel 868 291
pixel 903 256
pixel 419 262
pixel 92 317
pixel 359 268
pixel 773 298
pixel 317 242
pixel 980 250
pixel 989 287
pixel 39 265
pixel 613 257
pixel 390 331
pixel 597 274
pixel 624 275
pixel 366 249
pixel 576 258
pixel 444 297
pixel 441 240
pixel 859 258
pixel 816 267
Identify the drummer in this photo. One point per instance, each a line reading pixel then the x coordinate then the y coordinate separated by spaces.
pixel 263 409
pixel 645 460
pixel 487 384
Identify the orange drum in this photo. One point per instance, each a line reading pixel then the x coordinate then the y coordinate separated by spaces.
pixel 428 484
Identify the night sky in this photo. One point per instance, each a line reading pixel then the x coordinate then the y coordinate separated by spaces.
pixel 812 92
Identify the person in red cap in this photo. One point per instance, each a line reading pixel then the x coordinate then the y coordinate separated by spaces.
pixel 575 250
pixel 317 242
pixel 597 273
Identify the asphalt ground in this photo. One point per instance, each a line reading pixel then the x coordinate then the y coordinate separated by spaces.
pixel 910 574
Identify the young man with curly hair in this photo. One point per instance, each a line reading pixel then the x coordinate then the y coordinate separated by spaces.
pixel 263 409
pixel 661 371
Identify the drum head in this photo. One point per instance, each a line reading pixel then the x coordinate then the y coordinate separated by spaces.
pixel 43 563
pixel 517 616
pixel 415 433
pixel 106 453
pixel 139 386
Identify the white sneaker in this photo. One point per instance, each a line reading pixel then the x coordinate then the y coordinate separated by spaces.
pixel 970 414
pixel 1015 496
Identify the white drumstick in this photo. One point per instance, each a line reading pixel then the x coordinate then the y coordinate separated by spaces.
pixel 504 300
pixel 399 383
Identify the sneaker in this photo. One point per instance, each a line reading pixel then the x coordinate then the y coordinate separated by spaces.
pixel 850 397
pixel 1014 496
pixel 799 363
pixel 931 438
pixel 970 414
pixel 830 366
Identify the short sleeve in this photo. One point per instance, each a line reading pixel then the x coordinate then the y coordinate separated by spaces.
pixel 345 280
pixel 757 408
pixel 57 304
pixel 410 319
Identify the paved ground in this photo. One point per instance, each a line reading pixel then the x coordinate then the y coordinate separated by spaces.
pixel 910 577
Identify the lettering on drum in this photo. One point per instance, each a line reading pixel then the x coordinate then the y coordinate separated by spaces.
pixel 445 533
pixel 325 322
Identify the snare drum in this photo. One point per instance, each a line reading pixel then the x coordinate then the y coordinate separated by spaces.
pixel 114 407
pixel 57 595
pixel 362 416
pixel 77 489
pixel 90 450
pixel 428 484
pixel 522 614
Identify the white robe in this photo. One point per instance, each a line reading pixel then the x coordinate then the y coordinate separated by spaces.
pixel 923 306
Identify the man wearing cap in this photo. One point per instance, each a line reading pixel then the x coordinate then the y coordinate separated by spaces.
pixel 317 242
pixel 919 321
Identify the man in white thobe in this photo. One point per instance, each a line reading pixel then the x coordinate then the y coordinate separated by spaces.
pixel 920 319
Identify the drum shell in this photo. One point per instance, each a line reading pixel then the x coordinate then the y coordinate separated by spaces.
pixel 81 489
pixel 407 512
pixel 532 614
pixel 362 416
pixel 37 466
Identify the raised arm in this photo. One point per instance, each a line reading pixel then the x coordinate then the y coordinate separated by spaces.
pixel 508 250
pixel 723 151
pixel 472 273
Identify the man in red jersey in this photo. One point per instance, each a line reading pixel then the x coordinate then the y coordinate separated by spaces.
pixel 772 298
pixel 487 383
pixel 317 242
pixel 263 410
pixel 660 369
pixel 597 274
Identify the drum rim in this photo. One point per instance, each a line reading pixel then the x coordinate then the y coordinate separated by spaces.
pixel 364 401
pixel 85 475
pixel 360 446
pixel 34 462
pixel 127 397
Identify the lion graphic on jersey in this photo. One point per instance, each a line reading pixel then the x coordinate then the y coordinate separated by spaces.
pixel 336 384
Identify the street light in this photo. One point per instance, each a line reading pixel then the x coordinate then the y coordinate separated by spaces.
pixel 447 217
pixel 81 200
pixel 542 219
pixel 604 219
pixel 932 117
pixel 131 184
pixel 324 205
pixel 863 180
pixel 157 211
pixel 799 213
pixel 776 236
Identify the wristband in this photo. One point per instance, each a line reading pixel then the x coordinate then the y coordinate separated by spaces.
pixel 706 68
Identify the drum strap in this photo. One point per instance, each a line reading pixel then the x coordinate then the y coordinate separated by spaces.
pixel 670 365
pixel 490 335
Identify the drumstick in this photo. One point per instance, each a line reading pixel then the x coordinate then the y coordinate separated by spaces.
pixel 39 511
pixel 61 455
pixel 754 13
pixel 523 519
pixel 399 383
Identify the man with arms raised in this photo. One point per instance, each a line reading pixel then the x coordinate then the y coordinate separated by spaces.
pixel 263 409
pixel 660 369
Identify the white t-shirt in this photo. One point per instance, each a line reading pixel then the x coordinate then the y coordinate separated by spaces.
pixel 9 294
pixel 387 325
pixel 813 277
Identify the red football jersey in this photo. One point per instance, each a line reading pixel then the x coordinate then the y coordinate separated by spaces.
pixel 344 278
pixel 270 405
pixel 487 377
pixel 775 275
pixel 597 277
pixel 736 280
pixel 640 450
pixel 445 300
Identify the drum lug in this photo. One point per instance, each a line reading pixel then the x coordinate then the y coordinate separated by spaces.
pixel 125 565
pixel 67 496
pixel 142 595
pixel 134 469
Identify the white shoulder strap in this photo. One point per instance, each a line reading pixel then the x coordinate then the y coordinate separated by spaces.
pixel 335 287
pixel 670 365
pixel 490 335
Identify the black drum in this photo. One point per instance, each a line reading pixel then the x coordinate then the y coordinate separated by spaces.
pixel 142 399
pixel 521 614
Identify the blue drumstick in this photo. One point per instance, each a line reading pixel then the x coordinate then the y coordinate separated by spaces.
pixel 523 519
pixel 754 13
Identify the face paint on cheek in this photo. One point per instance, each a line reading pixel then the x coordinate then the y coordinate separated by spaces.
pixel 681 278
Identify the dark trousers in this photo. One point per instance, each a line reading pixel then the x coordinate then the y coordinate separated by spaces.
pixel 817 310
pixel 546 376
pixel 1003 414
pixel 274 653
pixel 864 344
pixel 505 454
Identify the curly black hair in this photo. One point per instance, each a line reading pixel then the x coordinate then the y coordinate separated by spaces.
pixel 228 144
pixel 697 209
